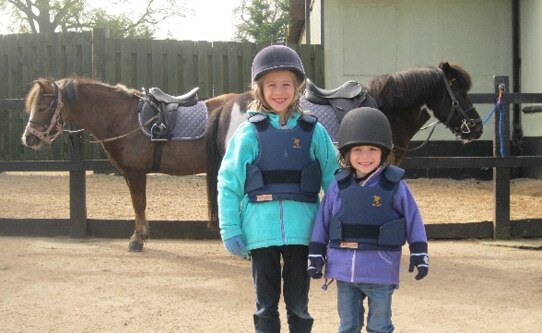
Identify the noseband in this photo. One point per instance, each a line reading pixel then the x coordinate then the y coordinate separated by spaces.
pixel 54 121
pixel 467 122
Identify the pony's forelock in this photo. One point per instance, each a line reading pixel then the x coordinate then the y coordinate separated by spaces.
pixel 33 96
pixel 463 76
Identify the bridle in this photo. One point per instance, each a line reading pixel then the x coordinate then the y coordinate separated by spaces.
pixel 54 120
pixel 467 123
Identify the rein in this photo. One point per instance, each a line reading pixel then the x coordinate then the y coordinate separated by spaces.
pixel 433 124
pixel 140 127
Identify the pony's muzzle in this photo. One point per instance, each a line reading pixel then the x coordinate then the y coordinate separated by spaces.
pixel 30 140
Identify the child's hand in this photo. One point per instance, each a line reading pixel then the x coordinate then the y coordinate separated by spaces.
pixel 236 246
pixel 315 265
pixel 419 259
pixel 316 261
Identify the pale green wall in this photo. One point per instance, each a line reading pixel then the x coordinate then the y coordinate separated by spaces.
pixel 531 60
pixel 364 38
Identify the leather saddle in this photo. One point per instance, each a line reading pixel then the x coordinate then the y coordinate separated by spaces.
pixel 159 111
pixel 348 96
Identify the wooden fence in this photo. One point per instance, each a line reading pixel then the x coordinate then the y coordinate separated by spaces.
pixel 500 228
pixel 174 66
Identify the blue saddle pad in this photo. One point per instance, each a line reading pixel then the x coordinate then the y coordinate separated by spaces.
pixel 190 124
pixel 326 116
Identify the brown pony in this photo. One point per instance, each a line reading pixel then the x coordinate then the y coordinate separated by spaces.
pixel 109 114
pixel 408 98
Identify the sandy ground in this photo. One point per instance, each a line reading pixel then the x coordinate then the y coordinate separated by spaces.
pixel 95 285
pixel 46 195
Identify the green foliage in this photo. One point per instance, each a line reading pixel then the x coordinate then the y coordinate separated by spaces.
pixel 42 16
pixel 263 21
pixel 120 26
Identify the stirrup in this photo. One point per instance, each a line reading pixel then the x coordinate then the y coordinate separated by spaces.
pixel 158 132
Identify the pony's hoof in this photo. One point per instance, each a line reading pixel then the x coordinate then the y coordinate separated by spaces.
pixel 135 246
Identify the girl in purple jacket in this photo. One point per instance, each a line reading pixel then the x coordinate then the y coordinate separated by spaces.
pixel 366 216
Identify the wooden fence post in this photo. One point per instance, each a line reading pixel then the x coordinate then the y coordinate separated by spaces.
pixel 78 201
pixel 501 149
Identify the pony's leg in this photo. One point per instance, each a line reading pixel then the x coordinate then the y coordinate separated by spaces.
pixel 137 184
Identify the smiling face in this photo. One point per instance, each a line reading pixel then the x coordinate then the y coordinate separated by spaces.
pixel 279 90
pixel 364 159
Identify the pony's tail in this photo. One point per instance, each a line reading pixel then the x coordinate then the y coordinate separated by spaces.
pixel 214 158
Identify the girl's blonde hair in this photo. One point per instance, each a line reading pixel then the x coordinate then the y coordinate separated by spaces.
pixel 259 102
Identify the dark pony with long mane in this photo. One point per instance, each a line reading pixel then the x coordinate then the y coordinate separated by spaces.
pixel 408 98
pixel 109 113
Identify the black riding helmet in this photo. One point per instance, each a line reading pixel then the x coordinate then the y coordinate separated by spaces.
pixel 277 57
pixel 365 126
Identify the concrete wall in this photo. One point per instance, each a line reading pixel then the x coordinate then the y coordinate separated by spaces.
pixel 531 61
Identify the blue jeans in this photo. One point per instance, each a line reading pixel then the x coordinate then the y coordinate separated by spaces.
pixel 350 297
pixel 266 273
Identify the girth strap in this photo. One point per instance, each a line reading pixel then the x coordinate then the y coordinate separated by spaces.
pixel 157 156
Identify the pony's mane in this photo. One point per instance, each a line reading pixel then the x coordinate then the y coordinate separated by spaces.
pixel 70 87
pixel 405 87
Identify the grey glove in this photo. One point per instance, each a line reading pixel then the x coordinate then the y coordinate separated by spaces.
pixel 236 246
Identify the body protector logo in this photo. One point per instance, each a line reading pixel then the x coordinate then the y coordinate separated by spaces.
pixel 376 201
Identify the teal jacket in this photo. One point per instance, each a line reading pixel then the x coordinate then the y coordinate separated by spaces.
pixel 271 223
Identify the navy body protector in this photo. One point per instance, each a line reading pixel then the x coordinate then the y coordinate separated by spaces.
pixel 283 169
pixel 367 220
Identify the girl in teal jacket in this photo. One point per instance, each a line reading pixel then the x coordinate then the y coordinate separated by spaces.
pixel 268 184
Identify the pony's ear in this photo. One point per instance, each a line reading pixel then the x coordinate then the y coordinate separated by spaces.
pixel 444 65
pixel 44 84
pixel 446 68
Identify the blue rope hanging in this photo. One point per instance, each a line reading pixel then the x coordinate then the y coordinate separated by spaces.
pixel 498 104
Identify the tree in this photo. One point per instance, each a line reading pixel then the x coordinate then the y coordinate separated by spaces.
pixel 263 21
pixel 40 16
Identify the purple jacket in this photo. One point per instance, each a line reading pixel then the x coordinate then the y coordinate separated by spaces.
pixel 366 266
